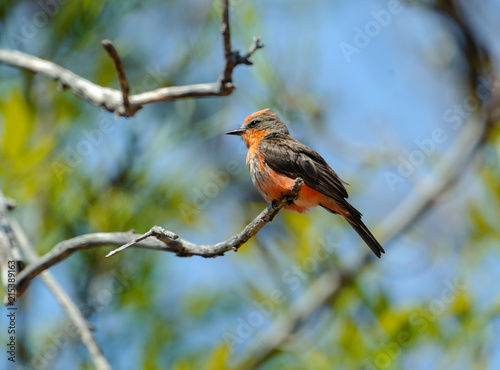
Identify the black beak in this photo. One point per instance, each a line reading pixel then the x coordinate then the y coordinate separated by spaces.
pixel 238 132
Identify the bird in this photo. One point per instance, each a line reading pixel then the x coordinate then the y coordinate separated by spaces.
pixel 275 160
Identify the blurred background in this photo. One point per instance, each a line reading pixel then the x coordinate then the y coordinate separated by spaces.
pixel 383 90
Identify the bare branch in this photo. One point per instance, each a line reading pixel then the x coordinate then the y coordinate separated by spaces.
pixel 185 248
pixel 76 317
pixel 233 58
pixel 119 102
pixel 107 98
pixel 74 314
pixel 167 241
pixel 67 247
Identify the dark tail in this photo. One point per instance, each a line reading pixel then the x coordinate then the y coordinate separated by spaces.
pixel 367 236
pixel 353 216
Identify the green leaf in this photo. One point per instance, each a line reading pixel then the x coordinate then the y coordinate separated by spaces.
pixel 218 358
pixel 18 122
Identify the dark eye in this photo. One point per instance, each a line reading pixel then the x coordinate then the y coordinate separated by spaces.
pixel 253 123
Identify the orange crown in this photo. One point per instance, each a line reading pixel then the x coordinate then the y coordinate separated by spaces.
pixel 253 115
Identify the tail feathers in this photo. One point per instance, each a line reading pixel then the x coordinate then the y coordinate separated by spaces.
pixel 366 235
pixel 353 216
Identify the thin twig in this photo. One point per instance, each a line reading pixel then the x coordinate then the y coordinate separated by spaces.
pixel 66 248
pixel 72 310
pixel 122 77
pixel 119 102
pixel 245 59
pixel 225 29
pixel 167 242
pixel 232 57
pixel 155 231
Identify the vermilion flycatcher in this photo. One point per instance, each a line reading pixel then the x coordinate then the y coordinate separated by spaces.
pixel 275 160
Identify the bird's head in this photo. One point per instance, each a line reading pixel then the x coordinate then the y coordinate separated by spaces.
pixel 259 124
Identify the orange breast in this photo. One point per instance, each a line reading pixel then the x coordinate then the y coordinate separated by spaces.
pixel 273 185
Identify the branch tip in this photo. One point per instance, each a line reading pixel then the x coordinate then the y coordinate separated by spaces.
pixel 122 77
pixel 157 231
